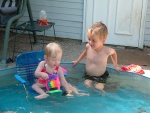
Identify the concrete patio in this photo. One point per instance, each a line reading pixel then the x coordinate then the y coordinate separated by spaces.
pixel 73 48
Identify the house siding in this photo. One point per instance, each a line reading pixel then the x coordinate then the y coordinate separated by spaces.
pixel 147 26
pixel 67 15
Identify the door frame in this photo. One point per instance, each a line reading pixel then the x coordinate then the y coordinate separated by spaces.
pixel 88 20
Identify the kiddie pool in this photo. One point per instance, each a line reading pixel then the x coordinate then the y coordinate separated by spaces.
pixel 125 93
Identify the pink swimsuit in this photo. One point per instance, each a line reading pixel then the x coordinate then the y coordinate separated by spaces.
pixel 40 80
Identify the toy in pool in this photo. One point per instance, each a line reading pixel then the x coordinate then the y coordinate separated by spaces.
pixel 64 71
pixel 53 83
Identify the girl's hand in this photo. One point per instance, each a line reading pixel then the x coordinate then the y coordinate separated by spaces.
pixel 69 93
pixel 44 76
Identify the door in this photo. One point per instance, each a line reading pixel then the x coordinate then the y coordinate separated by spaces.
pixel 124 19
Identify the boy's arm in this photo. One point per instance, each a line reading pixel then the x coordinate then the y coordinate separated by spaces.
pixel 81 57
pixel 114 59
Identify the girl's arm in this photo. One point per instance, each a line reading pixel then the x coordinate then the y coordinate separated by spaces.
pixel 38 72
pixel 63 80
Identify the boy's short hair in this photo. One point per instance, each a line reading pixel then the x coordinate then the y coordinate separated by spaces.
pixel 52 49
pixel 99 29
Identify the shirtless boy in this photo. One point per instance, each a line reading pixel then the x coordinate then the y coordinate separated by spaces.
pixel 96 54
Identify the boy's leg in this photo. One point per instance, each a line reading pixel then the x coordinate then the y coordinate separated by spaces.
pixel 88 83
pixel 99 86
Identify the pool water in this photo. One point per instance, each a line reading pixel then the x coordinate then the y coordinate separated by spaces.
pixel 125 93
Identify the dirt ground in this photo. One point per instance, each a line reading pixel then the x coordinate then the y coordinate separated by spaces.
pixel 73 48
pixel 137 56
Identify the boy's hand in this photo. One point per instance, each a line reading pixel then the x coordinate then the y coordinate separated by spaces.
pixel 74 62
pixel 118 68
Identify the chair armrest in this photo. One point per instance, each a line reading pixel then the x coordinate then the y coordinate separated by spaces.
pixel 20 79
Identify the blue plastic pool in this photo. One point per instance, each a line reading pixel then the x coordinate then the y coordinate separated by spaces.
pixel 125 93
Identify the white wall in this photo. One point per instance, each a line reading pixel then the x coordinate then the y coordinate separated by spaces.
pixel 67 15
pixel 147 26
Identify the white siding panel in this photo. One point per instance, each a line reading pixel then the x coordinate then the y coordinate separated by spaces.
pixel 67 15
pixel 148 3
pixel 54 16
pixel 147 27
pixel 146 43
pixel 59 22
pixel 147 32
pixel 147 37
pixel 147 40
pixel 62 34
pixel 148 11
pixel 68 35
pixel 58 10
pixel 52 3
pixel 68 29
pixel 147 17
pixel 80 1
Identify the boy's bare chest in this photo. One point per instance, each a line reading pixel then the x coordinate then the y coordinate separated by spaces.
pixel 96 57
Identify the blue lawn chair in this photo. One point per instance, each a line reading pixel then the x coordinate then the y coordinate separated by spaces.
pixel 26 63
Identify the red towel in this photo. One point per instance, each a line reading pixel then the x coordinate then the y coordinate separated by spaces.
pixel 133 68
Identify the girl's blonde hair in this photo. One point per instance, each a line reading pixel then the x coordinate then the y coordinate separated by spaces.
pixel 99 29
pixel 52 49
